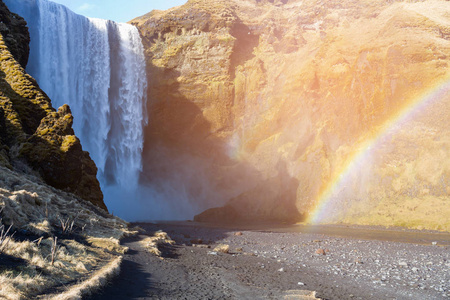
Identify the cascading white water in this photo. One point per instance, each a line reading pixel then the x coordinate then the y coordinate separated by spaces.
pixel 98 68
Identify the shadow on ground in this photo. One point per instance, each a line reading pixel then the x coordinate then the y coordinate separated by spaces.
pixel 133 281
pixel 142 271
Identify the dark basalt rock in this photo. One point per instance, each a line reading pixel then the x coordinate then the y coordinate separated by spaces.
pixel 15 34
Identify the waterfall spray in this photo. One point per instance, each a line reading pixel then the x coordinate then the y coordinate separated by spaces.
pixel 98 68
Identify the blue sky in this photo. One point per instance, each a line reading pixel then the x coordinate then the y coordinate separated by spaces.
pixel 117 10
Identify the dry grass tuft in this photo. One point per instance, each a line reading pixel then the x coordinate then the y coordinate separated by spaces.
pixel 97 280
pixel 5 236
pixel 151 243
pixel 63 239
pixel 12 286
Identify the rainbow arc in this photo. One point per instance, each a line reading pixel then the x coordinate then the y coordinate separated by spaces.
pixel 361 157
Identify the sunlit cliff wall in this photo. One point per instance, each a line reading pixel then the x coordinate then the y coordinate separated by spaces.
pixel 264 104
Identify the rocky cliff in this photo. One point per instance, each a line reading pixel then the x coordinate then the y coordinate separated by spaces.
pixel 264 104
pixel 54 243
pixel 34 138
pixel 15 34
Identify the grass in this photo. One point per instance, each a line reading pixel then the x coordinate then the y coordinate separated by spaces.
pixel 152 243
pixel 5 236
pixel 89 286
pixel 60 240
pixel 12 286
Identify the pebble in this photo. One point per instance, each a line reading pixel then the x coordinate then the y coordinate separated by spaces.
pixel 320 251
pixel 403 263
pixel 401 269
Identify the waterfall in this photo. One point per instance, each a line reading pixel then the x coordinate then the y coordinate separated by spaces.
pixel 98 68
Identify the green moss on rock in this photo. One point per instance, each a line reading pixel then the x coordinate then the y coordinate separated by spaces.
pixel 31 131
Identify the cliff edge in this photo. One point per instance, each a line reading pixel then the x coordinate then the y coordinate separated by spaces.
pixel 34 137
pixel 265 105
pixel 57 240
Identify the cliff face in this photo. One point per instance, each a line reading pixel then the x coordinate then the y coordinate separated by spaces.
pixel 264 104
pixel 15 34
pixel 33 136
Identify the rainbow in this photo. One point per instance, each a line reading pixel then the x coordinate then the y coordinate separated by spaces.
pixel 361 157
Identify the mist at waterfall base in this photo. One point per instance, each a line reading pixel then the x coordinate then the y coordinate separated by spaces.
pixel 98 68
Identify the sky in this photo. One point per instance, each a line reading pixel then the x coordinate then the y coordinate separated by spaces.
pixel 117 10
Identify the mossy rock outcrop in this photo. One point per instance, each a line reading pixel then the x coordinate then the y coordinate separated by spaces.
pixel 33 136
pixel 57 154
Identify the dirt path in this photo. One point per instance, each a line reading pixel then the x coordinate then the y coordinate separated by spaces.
pixel 268 264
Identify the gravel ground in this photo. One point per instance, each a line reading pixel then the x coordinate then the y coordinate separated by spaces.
pixel 269 263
